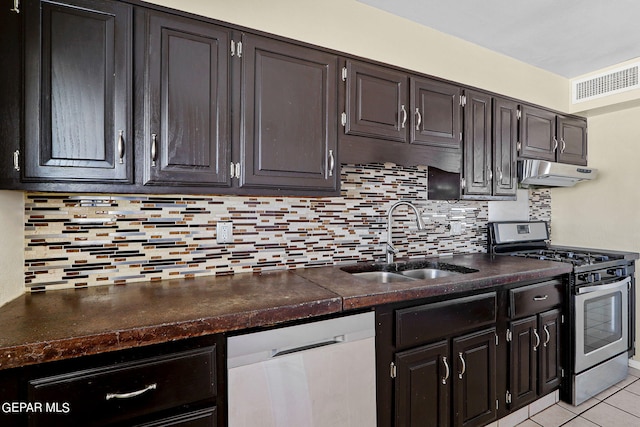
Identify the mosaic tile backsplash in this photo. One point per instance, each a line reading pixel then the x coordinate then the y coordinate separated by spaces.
pixel 75 241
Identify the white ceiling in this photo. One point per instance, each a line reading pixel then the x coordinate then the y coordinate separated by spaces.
pixel 566 37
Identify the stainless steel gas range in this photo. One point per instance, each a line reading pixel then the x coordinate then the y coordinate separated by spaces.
pixel 602 305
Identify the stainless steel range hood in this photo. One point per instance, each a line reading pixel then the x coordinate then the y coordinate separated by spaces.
pixel 550 174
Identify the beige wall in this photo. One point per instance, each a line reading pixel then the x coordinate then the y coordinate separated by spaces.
pixel 352 27
pixel 12 246
pixel 605 213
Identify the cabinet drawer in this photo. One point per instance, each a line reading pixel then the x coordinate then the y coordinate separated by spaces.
pixel 428 322
pixel 104 395
pixel 533 299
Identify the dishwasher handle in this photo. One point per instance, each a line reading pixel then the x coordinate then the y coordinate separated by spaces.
pixel 284 351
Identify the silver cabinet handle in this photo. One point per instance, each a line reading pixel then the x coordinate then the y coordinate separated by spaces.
pixel 419 122
pixel 555 144
pixel 16 6
pixel 150 387
pixel 154 149
pixel 16 160
pixel 464 365
pixel 499 170
pixel 490 172
pixel 332 162
pixel 564 145
pixel 232 169
pixel 121 147
pixel 404 116
pixel 535 347
pixel 541 298
pixel 546 331
pixel 446 370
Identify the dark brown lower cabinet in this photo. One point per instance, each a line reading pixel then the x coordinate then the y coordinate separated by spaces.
pixel 423 386
pixel 474 384
pixel 448 382
pixel 174 384
pixel 534 354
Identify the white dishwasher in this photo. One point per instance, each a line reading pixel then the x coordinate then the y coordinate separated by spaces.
pixel 319 374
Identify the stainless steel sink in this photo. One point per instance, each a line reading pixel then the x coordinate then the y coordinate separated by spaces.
pixel 383 276
pixel 405 271
pixel 429 273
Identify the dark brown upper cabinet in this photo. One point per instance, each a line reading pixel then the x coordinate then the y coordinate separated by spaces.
pixel 491 132
pixel 478 145
pixel 390 115
pixel 572 140
pixel 436 113
pixel 77 105
pixel 547 136
pixel 505 143
pixel 185 116
pixel 376 102
pixel 289 117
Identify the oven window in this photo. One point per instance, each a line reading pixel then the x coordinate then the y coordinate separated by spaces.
pixel 602 321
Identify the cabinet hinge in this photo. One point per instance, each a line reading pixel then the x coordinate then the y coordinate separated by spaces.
pixel 463 100
pixel 509 336
pixel 508 397
pixel 343 119
pixel 344 74
pixel 518 114
pixel 236 48
pixel 393 371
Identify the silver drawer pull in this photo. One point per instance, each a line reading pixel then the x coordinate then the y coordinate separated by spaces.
pixel 540 298
pixel 129 395
pixel 464 366
pixel 446 370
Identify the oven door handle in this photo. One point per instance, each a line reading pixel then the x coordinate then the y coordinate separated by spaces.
pixel 589 289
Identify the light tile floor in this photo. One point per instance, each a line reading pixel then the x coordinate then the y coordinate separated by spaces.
pixel 619 406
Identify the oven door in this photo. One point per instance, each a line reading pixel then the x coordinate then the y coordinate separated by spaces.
pixel 601 323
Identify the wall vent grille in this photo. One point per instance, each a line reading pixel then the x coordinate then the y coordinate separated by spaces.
pixel 604 84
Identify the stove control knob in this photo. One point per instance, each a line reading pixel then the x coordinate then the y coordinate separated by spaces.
pixel 618 272
pixel 596 277
pixel 586 277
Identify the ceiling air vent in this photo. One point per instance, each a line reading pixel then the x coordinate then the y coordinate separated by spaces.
pixel 613 81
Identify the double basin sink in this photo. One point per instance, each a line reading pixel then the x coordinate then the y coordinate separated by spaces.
pixel 406 271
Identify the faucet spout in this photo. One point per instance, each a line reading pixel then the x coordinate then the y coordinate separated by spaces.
pixel 390 250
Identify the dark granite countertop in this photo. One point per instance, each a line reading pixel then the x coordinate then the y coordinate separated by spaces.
pixel 62 324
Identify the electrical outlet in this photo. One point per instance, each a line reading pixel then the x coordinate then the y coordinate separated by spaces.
pixel 224 232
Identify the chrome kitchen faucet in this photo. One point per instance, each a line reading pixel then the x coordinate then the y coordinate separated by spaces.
pixel 391 251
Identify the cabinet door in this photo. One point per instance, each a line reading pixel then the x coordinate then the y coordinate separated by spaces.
pixel 376 102
pixel 523 361
pixel 549 373
pixel 572 140
pixel 78 91
pixel 474 382
pixel 478 173
pixel 289 116
pixel 422 386
pixel 186 130
pixel 538 134
pixel 437 111
pixel 505 139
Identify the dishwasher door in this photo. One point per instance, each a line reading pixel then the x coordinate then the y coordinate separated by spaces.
pixel 320 374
